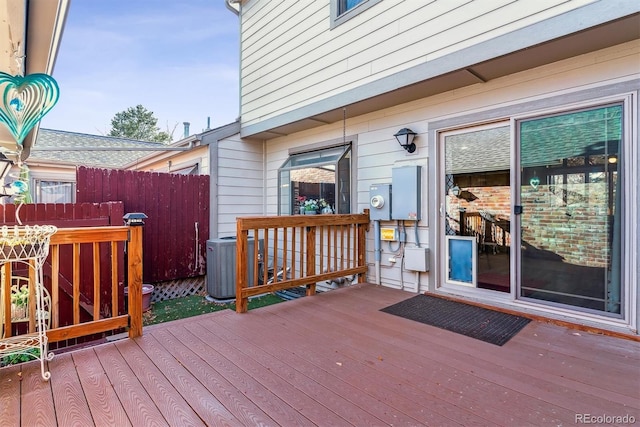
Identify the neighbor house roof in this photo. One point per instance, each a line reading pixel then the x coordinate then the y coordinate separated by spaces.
pixel 87 150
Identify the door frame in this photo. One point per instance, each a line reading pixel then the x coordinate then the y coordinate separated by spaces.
pixel 442 282
pixel 627 92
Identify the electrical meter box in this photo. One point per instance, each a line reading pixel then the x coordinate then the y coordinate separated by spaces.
pixel 407 191
pixel 380 202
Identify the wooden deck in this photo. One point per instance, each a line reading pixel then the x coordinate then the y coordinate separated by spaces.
pixel 330 359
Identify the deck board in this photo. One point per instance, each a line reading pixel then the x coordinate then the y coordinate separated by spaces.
pixel 37 406
pixel 136 402
pixel 297 372
pixel 68 397
pixel 308 407
pixel 250 386
pixel 211 411
pixel 104 403
pixel 10 381
pixel 330 359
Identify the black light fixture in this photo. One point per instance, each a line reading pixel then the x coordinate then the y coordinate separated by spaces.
pixel 405 138
pixel 134 219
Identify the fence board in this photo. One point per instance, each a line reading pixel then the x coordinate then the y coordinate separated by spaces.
pixel 173 203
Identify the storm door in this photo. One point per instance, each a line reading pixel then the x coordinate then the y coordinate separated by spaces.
pixel 570 197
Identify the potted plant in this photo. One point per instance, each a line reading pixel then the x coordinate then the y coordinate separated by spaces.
pixel 19 302
pixel 311 207
pixel 325 208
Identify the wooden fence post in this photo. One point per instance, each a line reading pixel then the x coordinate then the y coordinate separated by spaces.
pixel 135 221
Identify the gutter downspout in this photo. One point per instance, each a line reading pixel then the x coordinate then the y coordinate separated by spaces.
pixel 236 10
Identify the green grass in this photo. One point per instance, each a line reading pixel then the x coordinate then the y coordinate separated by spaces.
pixel 195 305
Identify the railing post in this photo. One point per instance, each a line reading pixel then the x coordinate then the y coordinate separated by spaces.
pixel 311 258
pixel 135 221
pixel 242 272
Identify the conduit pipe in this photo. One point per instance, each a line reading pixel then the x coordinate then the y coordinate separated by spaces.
pixel 377 251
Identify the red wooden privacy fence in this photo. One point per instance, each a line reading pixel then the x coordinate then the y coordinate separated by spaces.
pixel 177 206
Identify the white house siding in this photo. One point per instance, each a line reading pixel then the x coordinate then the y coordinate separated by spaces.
pixel 290 58
pixel 171 161
pixel 238 182
pixel 378 152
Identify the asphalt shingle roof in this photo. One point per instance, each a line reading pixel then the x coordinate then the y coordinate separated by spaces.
pixel 113 157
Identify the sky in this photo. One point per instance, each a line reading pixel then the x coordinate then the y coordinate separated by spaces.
pixel 178 59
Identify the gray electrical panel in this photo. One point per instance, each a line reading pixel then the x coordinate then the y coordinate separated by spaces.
pixel 407 192
pixel 416 259
pixel 380 202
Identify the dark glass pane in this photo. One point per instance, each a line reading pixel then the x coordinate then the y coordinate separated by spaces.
pixel 316 181
pixel 570 227
pixel 343 185
pixel 345 5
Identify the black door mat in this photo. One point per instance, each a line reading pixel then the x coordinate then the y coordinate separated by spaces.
pixel 487 325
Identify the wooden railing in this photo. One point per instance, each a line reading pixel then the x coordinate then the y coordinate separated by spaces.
pixel 489 231
pixel 298 250
pixel 104 243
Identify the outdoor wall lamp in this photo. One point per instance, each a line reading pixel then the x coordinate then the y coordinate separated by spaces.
pixel 405 138
pixel 455 191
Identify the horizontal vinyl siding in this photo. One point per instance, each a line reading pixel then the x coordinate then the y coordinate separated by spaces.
pixel 290 57
pixel 378 151
pixel 239 182
pixel 199 155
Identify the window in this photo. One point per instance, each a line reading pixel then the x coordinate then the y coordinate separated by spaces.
pixel 320 174
pixel 54 191
pixel 345 5
pixel 343 10
pixel 188 170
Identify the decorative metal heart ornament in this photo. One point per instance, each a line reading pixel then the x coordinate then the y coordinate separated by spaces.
pixel 25 101
pixel 534 182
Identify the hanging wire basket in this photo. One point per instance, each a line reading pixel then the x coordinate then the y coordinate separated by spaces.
pixel 20 243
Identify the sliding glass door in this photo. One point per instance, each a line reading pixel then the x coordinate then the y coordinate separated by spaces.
pixel 570 202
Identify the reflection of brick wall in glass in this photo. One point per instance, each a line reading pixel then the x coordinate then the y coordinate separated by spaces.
pixel 578 233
